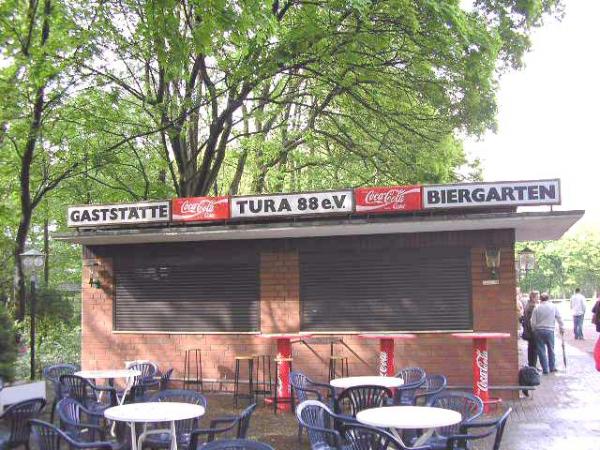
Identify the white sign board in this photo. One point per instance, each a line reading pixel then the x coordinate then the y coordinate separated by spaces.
pixel 478 195
pixel 291 204
pixel 98 215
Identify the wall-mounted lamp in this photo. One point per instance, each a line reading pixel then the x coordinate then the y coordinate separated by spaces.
pixel 492 261
pixel 95 275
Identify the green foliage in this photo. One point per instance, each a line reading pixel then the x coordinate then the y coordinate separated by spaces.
pixel 61 344
pixel 563 265
pixel 8 346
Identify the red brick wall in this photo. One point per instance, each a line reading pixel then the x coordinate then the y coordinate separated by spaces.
pixel 493 310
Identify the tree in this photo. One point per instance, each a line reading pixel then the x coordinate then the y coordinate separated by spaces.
pixel 240 92
pixel 39 40
pixel 8 346
pixel 563 265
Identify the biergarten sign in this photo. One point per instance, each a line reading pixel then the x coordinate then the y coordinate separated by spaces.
pixel 368 200
pixel 292 204
pixel 96 215
pixel 511 193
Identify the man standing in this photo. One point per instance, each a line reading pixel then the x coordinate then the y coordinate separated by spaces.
pixel 542 323
pixel 578 311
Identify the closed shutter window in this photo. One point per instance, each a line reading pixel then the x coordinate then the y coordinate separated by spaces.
pixel 187 295
pixel 390 290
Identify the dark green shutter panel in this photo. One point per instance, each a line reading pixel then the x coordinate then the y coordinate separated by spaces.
pixel 187 294
pixel 386 290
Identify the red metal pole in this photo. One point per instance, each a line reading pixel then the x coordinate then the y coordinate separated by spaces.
pixel 284 350
pixel 480 371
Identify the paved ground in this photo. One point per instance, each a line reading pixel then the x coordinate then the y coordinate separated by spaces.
pixel 564 413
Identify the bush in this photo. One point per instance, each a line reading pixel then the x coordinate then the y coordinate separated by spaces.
pixel 8 345
pixel 59 343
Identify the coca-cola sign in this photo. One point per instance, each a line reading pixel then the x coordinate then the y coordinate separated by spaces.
pixel 481 371
pixel 198 209
pixel 387 199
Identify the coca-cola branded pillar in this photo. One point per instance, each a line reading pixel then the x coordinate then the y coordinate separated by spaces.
pixel 386 350
pixel 375 200
pixel 386 358
pixel 481 362
pixel 199 209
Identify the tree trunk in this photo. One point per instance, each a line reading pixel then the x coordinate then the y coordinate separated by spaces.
pixel 27 205
pixel 46 250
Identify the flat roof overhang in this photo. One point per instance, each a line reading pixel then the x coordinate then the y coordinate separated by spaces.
pixel 528 226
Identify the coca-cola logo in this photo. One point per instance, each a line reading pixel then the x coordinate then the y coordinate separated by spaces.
pixel 201 207
pixel 393 197
pixel 481 359
pixel 383 364
pixel 397 198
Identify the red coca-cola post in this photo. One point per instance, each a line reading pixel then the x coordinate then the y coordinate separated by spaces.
pixel 200 209
pixel 481 362
pixel 386 350
pixel 377 200
pixel 284 352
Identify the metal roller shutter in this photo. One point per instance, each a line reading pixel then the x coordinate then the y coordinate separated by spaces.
pixel 187 294
pixel 389 290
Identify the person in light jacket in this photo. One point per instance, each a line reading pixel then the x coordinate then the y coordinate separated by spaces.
pixel 542 323
pixel 578 311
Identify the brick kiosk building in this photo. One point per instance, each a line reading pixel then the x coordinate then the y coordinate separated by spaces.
pixel 160 289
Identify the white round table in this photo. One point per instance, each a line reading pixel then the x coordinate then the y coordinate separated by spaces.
pixel 345 383
pixel 424 418
pixel 110 375
pixel 152 412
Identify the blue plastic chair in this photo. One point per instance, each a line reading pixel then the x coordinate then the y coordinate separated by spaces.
pixel 52 375
pixel 414 378
pixel 16 417
pixel 306 389
pixel 496 426
pixel 230 426
pixel 158 435
pixel 236 444
pixel 322 425
pixel 434 384
pixel 48 437
pixel 468 405
pixel 361 437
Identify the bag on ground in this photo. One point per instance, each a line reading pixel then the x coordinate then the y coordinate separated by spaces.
pixel 529 376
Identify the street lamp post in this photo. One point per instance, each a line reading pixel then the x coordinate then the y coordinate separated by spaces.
pixel 526 262
pixel 33 262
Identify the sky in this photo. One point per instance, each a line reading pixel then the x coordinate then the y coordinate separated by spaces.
pixel 548 118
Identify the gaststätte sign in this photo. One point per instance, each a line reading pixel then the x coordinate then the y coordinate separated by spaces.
pixel 291 204
pixel 510 193
pixel 98 215
pixel 198 209
pixel 387 199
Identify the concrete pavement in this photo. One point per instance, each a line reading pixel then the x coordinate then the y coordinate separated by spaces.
pixel 564 412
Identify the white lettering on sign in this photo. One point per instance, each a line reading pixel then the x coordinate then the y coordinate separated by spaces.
pixel 477 195
pixel 292 204
pixel 98 215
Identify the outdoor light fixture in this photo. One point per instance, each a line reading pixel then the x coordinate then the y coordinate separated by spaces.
pixel 526 260
pixel 95 275
pixel 492 261
pixel 33 263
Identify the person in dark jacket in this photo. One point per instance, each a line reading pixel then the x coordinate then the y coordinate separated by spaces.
pixel 596 314
pixel 528 334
